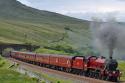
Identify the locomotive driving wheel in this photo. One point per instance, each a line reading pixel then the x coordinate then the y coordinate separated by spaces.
pixel 68 70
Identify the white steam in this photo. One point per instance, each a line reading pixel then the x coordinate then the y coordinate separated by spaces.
pixel 109 37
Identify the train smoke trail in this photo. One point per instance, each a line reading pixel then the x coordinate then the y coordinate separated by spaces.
pixel 109 35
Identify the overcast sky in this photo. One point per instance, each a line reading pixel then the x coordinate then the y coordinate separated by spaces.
pixel 84 9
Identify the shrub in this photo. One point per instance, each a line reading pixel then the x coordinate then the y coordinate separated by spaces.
pixel 58 82
pixel 6 52
pixel 64 48
pixel 49 51
pixel 2 64
pixel 43 82
pixel 68 50
pixel 8 49
pixel 24 50
pixel 35 79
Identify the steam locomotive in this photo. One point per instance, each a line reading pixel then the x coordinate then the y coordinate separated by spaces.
pixel 91 66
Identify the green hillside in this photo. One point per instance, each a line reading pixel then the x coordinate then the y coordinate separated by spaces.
pixel 22 24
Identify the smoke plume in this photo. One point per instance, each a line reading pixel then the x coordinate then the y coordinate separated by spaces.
pixel 109 37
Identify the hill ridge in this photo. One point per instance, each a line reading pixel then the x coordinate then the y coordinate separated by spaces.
pixel 22 24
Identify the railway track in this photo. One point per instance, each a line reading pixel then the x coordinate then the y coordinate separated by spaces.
pixel 62 75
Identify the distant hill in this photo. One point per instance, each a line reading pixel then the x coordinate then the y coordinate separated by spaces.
pixel 22 24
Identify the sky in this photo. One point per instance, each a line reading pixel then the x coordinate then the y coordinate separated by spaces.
pixel 83 9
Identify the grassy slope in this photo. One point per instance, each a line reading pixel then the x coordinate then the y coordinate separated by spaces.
pixel 122 69
pixel 10 76
pixel 22 24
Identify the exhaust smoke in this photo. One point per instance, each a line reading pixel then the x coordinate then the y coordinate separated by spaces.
pixel 108 36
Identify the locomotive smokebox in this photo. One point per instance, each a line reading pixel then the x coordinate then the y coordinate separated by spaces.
pixel 112 64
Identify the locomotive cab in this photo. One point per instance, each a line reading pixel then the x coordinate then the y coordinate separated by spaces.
pixel 78 63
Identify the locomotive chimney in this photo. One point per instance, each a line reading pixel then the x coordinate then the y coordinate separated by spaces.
pixel 112 43
pixel 110 53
